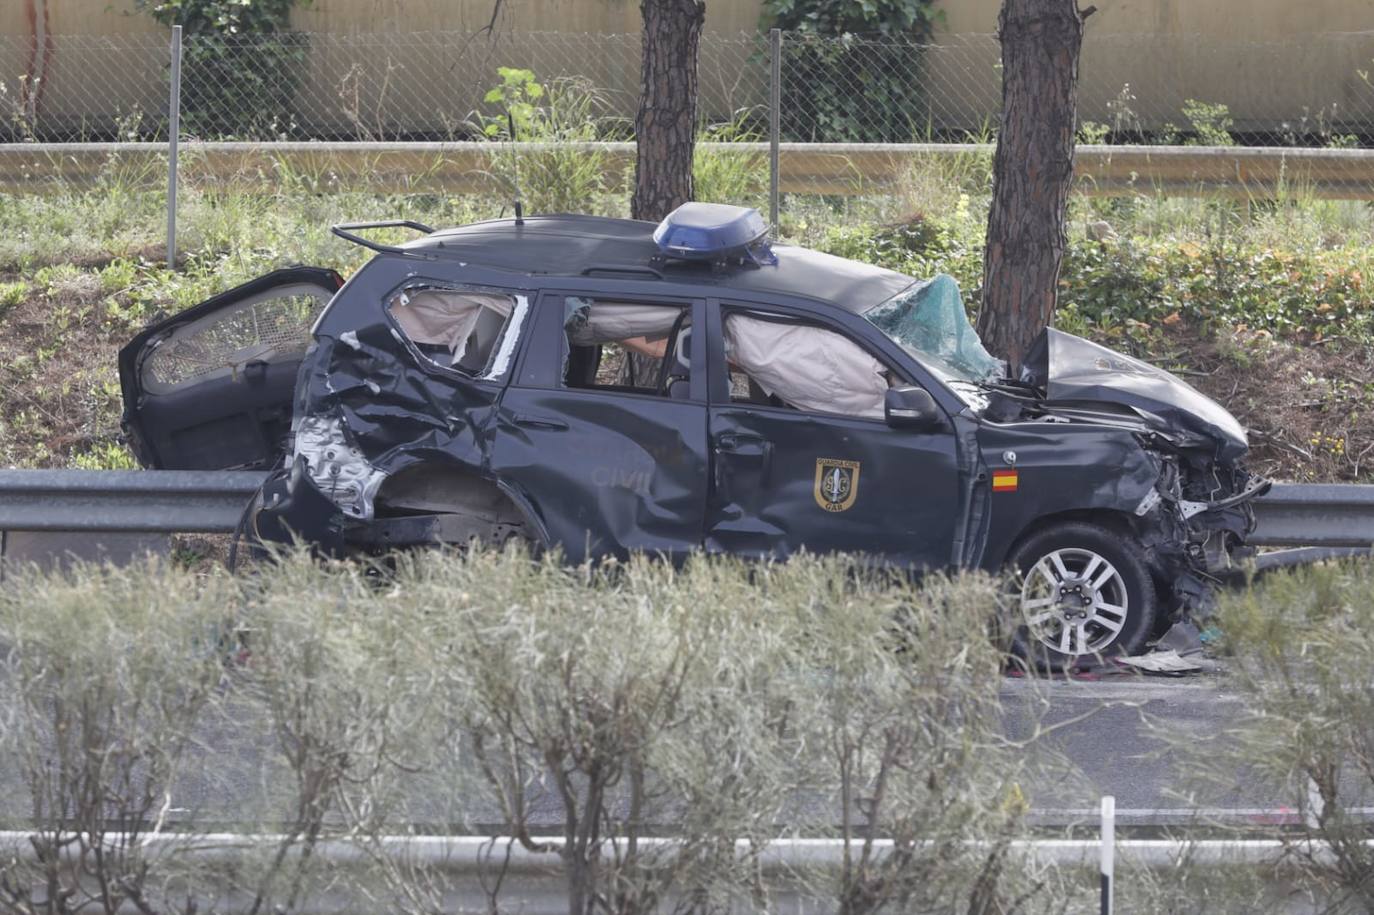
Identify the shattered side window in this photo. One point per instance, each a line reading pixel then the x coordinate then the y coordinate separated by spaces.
pixel 624 346
pixel 456 328
pixel 929 318
pixel 786 363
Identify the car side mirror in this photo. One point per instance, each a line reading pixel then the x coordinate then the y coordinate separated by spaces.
pixel 911 408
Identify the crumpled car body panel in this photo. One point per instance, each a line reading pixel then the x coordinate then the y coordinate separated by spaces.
pixel 1073 369
pixel 1062 469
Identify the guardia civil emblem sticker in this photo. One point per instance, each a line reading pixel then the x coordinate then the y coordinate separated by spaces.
pixel 837 483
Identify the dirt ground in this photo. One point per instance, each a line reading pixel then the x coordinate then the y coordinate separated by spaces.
pixel 59 379
pixel 1309 407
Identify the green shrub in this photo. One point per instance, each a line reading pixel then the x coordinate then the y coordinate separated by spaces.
pixel 241 65
pixel 11 294
pixel 1121 286
pixel 1211 123
pixel 726 175
pixel 851 69
pixel 1302 732
pixel 105 456
pixel 634 696
pixel 108 676
pixel 562 177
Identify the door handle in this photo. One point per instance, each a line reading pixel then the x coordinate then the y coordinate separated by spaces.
pixel 530 421
pixel 743 447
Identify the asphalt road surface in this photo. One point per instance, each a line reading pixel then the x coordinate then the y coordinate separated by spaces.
pixel 1130 738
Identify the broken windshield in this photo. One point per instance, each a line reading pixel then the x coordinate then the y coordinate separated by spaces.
pixel 928 319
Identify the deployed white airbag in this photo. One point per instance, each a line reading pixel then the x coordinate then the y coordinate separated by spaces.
pixel 590 323
pixel 438 317
pixel 807 367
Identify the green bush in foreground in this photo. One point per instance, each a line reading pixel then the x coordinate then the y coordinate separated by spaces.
pixel 106 677
pixel 1300 647
pixel 721 705
pixel 703 703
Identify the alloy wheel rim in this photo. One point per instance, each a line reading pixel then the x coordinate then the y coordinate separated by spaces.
pixel 1074 601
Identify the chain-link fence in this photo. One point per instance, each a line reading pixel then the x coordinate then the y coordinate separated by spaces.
pixel 1313 94
pixel 427 86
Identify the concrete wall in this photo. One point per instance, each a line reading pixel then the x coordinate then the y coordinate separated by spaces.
pixel 1219 20
pixel 118 17
pixel 1270 61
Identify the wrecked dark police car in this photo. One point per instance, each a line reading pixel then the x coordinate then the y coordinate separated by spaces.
pixel 608 386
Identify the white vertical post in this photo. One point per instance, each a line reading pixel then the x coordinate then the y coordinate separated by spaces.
pixel 774 121
pixel 1108 851
pixel 174 138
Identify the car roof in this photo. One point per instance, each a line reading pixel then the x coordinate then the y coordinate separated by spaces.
pixel 572 245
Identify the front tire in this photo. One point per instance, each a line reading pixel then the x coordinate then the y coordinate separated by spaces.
pixel 1083 592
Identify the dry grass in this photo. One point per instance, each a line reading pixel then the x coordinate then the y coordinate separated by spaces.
pixel 1310 408
pixel 59 382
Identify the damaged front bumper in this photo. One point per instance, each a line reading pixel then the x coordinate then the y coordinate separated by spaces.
pixel 1192 542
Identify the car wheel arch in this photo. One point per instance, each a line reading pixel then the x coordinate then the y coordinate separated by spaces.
pixel 534 521
pixel 459 487
pixel 1118 522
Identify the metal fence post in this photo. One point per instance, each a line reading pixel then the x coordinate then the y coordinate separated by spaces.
pixel 174 137
pixel 1108 851
pixel 774 121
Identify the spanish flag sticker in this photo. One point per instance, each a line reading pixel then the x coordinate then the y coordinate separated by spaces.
pixel 1004 481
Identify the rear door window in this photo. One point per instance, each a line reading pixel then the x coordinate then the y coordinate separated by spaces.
pixel 468 330
pixel 273 326
pixel 632 347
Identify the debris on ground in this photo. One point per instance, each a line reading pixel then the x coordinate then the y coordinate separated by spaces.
pixel 1183 637
pixel 1169 663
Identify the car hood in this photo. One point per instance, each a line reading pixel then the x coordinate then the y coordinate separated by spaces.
pixel 1070 368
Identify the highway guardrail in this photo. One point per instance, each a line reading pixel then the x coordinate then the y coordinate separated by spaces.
pixel 196 501
pixel 804 168
pixel 1316 515
pixel 125 501
pixel 534 882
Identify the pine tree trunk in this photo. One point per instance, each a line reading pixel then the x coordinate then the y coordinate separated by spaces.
pixel 665 125
pixel 1032 171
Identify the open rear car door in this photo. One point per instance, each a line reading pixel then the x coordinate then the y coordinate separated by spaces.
pixel 211 388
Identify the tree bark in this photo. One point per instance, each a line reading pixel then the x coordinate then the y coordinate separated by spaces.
pixel 1032 171
pixel 665 125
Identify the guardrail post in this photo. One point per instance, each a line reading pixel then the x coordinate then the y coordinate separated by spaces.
pixel 1108 851
pixel 774 121
pixel 173 139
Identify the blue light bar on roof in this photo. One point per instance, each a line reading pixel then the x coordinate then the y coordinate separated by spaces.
pixel 714 232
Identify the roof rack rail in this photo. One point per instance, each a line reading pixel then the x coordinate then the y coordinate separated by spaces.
pixel 633 269
pixel 346 231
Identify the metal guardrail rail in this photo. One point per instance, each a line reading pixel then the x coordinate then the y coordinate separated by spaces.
pixel 1315 514
pixel 125 501
pixel 804 168
pixel 179 501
